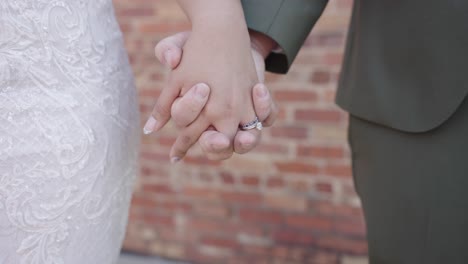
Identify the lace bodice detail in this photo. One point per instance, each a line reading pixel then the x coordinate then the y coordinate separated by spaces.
pixel 68 133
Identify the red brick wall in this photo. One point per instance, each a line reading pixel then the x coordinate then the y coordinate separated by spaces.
pixel 290 201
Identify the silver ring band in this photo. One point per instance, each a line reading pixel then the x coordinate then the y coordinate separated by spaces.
pixel 255 124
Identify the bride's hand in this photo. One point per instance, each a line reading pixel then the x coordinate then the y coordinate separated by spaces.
pixel 185 110
pixel 227 67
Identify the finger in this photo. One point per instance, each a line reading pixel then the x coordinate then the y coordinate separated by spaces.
pixel 187 108
pixel 215 145
pixel 270 120
pixel 169 50
pixel 245 141
pixel 186 139
pixel 249 113
pixel 161 111
pixel 264 105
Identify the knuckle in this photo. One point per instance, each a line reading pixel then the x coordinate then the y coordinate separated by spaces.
pixel 161 110
pixel 185 140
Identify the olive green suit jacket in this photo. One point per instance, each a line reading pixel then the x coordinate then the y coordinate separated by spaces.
pixel 406 62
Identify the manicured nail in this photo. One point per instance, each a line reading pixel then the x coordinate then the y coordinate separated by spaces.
pixel 262 91
pixel 175 160
pixel 150 126
pixel 202 90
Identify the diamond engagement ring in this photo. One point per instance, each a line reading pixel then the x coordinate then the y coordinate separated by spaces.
pixel 252 124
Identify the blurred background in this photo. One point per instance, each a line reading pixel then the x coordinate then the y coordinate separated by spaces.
pixel 289 201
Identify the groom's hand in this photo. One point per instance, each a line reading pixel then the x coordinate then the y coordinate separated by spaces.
pixel 184 110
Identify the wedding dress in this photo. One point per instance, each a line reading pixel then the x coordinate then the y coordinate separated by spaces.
pixel 69 132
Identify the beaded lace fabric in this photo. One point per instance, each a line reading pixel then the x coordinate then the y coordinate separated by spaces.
pixel 69 131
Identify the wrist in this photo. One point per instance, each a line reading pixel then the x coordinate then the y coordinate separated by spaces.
pixel 213 14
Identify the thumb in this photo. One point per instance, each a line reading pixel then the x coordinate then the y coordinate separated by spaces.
pixel 264 105
pixel 169 50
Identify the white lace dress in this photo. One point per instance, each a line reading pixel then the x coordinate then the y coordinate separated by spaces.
pixel 69 132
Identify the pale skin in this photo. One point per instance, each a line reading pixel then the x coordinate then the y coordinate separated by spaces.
pixel 234 66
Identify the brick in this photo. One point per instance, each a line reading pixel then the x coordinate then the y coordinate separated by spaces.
pixel 254 240
pixel 158 220
pixel 201 161
pixel 333 59
pixel 206 178
pixel 135 244
pixel 290 132
pixel 296 167
pixel 201 193
pixel 349 227
pixel 154 156
pixel 271 149
pixel 172 235
pixel 214 254
pixel 295 96
pixel 143 201
pixel 240 197
pixel 343 244
pixel 175 251
pixel 299 186
pixel 149 92
pixel 158 188
pixel 320 77
pixel 326 39
pixel 212 210
pixel 293 238
pixel 220 242
pixel 152 173
pixel 166 141
pixel 297 254
pixel 336 210
pixel 309 222
pixel 250 180
pixel 332 152
pixel 280 251
pixel 275 182
pixel 323 258
pixel 260 216
pixel 227 177
pixel 338 170
pixel 172 206
pixel 324 187
pixel 286 202
pixel 205 225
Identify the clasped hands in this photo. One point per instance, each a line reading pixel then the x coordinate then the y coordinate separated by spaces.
pixel 213 87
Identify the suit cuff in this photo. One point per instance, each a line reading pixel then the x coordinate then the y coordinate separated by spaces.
pixel 288 22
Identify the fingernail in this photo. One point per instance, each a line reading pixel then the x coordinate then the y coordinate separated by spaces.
pixel 175 160
pixel 149 126
pixel 202 90
pixel 168 57
pixel 262 91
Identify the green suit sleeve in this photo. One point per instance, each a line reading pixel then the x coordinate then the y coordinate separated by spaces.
pixel 288 22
